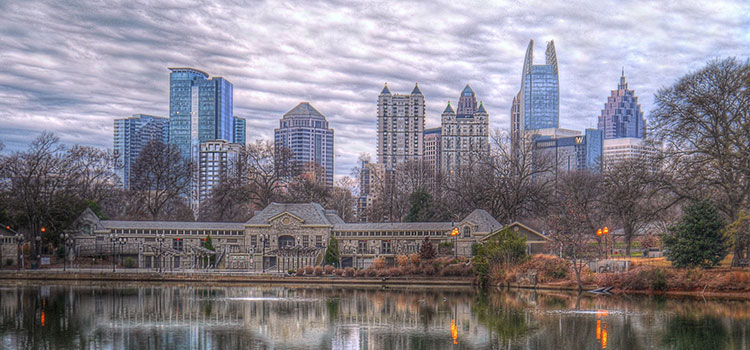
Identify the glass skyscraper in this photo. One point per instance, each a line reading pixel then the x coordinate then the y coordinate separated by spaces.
pixel 239 125
pixel 304 131
pixel 131 135
pixel 622 116
pixel 200 109
pixel 537 104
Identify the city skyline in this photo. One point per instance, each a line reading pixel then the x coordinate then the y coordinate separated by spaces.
pixel 76 77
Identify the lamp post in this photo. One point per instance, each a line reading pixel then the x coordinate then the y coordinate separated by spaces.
pixel 113 240
pixel 160 239
pixel 19 240
pixel 122 241
pixel 64 237
pixel 604 232
pixel 38 240
pixel 454 233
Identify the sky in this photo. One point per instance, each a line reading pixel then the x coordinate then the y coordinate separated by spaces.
pixel 72 67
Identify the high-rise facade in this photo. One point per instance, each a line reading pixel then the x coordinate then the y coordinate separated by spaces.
pixel 239 127
pixel 432 148
pixel 464 136
pixel 215 158
pixel 569 153
pixel 131 135
pixel 305 133
pixel 622 116
pixel 200 110
pixel 401 120
pixel 628 148
pixel 537 104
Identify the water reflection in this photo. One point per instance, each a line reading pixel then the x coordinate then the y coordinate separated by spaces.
pixel 166 316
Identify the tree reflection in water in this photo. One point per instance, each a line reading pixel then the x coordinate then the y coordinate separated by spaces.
pixel 188 316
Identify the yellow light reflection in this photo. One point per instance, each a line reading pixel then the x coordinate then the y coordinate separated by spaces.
pixel 454 332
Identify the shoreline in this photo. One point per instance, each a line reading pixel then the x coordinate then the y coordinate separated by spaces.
pixel 228 278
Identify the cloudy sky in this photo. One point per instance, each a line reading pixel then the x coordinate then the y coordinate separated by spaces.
pixel 72 67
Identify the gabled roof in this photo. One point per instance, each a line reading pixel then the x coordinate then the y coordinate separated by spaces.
pixel 449 109
pixel 467 89
pixel 416 90
pixel 516 223
pixel 304 109
pixel 310 213
pixel 386 90
pixel 481 108
pixel 484 221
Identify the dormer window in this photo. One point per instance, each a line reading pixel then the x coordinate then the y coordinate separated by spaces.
pixel 467 231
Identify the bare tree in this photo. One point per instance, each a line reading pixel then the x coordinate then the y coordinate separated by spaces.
pixel 341 199
pixel 632 196
pixel 703 122
pixel 161 176
pixel 574 217
pixel 265 170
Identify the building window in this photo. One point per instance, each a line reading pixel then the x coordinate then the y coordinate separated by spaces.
pixel 362 247
pixel 385 247
pixel 467 231
pixel 318 241
pixel 305 241
pixel 254 241
pixel 177 244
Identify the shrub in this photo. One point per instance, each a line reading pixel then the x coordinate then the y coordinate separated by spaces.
pixel 372 272
pixel 318 271
pixel 428 270
pixel 291 271
pixel 129 263
pixel 402 260
pixel 455 270
pixel 427 251
pixel 309 270
pixel 394 271
pixel 379 262
pixel 329 269
pixel 349 272
pixel 415 259
pixel 360 273
pixel 338 272
pixel 300 272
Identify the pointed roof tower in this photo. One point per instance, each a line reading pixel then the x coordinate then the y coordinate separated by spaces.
pixel 623 85
pixel 467 102
pixel 386 90
pixel 449 109
pixel 416 90
pixel 551 55
pixel 481 108
pixel 467 91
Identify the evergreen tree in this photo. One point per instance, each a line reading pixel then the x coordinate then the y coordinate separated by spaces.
pixel 420 206
pixel 427 250
pixel 332 252
pixel 697 239
pixel 208 244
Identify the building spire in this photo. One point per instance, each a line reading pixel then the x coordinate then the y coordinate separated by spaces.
pixel 623 85
pixel 386 90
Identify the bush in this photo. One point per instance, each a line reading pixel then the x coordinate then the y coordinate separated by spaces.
pixel 318 271
pixel 394 271
pixel 309 270
pixel 372 272
pixel 292 271
pixel 300 272
pixel 349 272
pixel 338 272
pixel 427 251
pixel 455 270
pixel 129 263
pixel 379 262
pixel 360 273
pixel 415 259
pixel 402 260
pixel 428 270
pixel 329 269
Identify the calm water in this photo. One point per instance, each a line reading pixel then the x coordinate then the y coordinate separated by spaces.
pixel 191 316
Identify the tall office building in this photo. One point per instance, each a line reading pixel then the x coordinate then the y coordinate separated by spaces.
pixel 432 148
pixel 304 131
pixel 622 116
pixel 200 110
pixel 239 129
pixel 537 104
pixel 464 137
pixel 215 159
pixel 628 148
pixel 400 127
pixel 567 151
pixel 131 135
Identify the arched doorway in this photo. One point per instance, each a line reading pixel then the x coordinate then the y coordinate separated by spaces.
pixel 286 241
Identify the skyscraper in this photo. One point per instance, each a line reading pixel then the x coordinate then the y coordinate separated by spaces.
pixel 215 159
pixel 400 127
pixel 464 137
pixel 568 153
pixel 432 148
pixel 622 116
pixel 304 131
pixel 200 109
pixel 537 104
pixel 131 135
pixel 239 129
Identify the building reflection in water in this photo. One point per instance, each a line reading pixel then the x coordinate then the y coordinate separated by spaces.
pixel 188 316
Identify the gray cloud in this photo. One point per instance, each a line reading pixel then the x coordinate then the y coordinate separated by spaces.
pixel 72 67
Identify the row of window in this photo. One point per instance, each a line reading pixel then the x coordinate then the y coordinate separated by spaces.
pixel 389 233
pixel 179 232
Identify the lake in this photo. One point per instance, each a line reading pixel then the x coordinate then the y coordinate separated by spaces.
pixel 91 315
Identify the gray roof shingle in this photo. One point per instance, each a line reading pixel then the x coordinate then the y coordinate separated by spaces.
pixel 310 213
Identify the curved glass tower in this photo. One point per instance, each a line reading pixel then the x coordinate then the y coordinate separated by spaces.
pixel 537 105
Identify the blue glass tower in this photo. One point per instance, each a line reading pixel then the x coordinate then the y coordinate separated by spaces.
pixel 239 126
pixel 131 135
pixel 537 105
pixel 200 109
pixel 304 131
